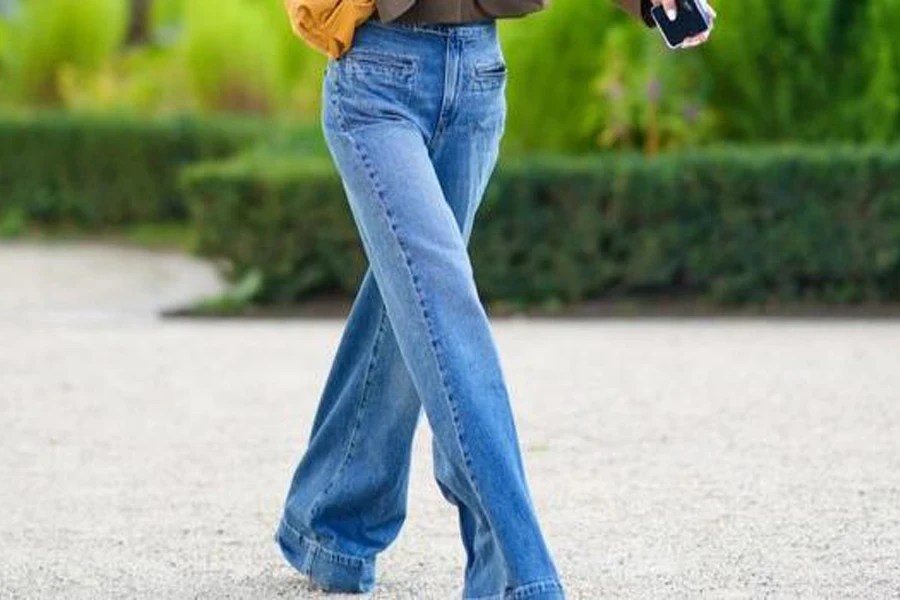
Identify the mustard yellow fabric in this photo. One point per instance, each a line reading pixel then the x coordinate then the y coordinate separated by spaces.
pixel 328 25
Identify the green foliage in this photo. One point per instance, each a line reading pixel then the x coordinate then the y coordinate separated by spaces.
pixel 177 235
pixel 795 70
pixel 647 97
pixel 142 81
pixel 241 296
pixel 302 67
pixel 291 81
pixel 234 63
pixel 204 55
pixel 584 76
pixel 295 231
pixel 552 55
pixel 12 223
pixel 879 110
pixel 726 226
pixel 5 34
pixel 97 171
pixel 166 17
pixel 51 35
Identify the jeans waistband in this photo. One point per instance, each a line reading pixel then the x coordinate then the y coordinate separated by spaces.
pixel 469 29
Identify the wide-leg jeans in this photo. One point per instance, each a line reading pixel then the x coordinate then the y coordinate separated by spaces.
pixel 413 116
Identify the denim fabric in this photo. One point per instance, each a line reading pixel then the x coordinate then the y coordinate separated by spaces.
pixel 413 116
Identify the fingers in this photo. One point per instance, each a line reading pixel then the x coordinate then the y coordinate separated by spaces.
pixel 695 40
pixel 671 9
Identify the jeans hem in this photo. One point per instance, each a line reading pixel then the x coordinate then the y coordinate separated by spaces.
pixel 332 570
pixel 543 589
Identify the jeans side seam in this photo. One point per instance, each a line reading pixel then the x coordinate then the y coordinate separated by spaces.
pixel 363 157
pixel 357 423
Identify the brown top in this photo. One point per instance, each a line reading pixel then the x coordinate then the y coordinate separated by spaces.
pixel 453 11
pixel 462 11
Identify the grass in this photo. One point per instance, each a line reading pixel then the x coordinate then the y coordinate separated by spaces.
pixel 175 236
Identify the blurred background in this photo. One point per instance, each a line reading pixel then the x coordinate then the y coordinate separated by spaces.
pixel 759 171
pixel 164 157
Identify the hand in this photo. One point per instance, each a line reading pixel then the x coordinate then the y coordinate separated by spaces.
pixel 671 8
pixel 699 39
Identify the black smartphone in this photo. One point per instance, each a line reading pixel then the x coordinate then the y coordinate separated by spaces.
pixel 693 19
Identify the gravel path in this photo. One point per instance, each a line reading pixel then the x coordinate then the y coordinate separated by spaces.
pixel 143 458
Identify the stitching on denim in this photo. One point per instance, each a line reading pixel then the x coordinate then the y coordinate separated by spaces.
pixel 535 587
pixel 341 65
pixel 494 597
pixel 524 591
pixel 348 454
pixel 317 550
pixel 436 352
pixel 447 104
pixel 357 424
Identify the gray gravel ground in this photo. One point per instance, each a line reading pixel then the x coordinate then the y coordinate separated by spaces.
pixel 143 458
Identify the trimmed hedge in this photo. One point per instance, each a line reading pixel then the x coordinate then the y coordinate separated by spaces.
pixel 285 219
pixel 726 225
pixel 96 171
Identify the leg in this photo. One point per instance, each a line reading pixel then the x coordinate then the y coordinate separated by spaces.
pixel 370 408
pixel 464 157
pixel 336 521
pixel 418 256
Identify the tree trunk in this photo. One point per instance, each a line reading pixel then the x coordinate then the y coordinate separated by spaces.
pixel 139 24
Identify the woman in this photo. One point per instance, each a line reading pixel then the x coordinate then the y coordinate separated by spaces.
pixel 413 115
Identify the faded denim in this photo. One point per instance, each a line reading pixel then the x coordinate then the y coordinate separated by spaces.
pixel 413 116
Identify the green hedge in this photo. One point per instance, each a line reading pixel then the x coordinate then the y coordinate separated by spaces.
pixel 728 226
pixel 284 219
pixel 96 171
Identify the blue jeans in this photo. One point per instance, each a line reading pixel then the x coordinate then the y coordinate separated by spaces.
pixel 413 116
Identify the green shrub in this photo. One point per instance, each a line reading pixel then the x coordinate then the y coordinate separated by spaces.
pixel 143 81
pixel 96 171
pixel 646 97
pixel 292 81
pixel 766 226
pixel 51 35
pixel 552 56
pixel 583 76
pixel 12 223
pixel 878 111
pixel 795 70
pixel 234 63
pixel 295 231
pixel 303 68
